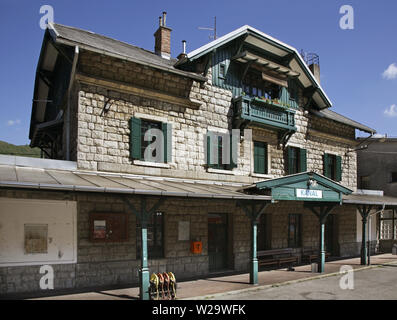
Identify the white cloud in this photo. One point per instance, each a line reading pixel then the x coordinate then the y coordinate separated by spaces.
pixel 391 72
pixel 13 122
pixel 392 111
pixel 378 136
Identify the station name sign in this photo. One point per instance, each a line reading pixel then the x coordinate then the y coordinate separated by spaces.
pixel 309 194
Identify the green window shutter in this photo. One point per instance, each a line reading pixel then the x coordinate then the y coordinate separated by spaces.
pixel 209 164
pixel 233 151
pixel 135 139
pixel 326 170
pixel 303 159
pixel 260 157
pixel 290 160
pixel 167 134
pixel 338 169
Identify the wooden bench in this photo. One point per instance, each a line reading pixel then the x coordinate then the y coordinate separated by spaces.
pixel 277 258
pixel 312 255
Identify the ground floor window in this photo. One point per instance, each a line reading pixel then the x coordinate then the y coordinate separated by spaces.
pixel 263 233
pixel 295 230
pixel 155 237
pixel 388 225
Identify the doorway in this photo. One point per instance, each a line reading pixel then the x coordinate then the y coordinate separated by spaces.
pixel 217 241
pixel 330 235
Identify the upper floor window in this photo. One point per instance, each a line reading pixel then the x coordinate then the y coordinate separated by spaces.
pixel 221 153
pixel 364 182
pixel 260 157
pixel 254 85
pixel 150 140
pixel 222 71
pixel 296 160
pixel 333 167
pixel 393 177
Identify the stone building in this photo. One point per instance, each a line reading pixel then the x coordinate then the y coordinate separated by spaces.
pixel 251 167
pixel 377 170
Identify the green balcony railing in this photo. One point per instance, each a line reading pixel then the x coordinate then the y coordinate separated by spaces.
pixel 268 113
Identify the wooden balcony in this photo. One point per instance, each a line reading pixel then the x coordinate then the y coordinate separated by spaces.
pixel 264 113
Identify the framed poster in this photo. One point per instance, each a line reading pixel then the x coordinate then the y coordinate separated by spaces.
pixel 109 227
pixel 36 236
pixel 99 229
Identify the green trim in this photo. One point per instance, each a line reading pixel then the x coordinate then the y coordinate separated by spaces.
pixel 286 188
pixel 303 160
pixel 167 133
pixel 260 157
pixel 135 138
pixel 338 169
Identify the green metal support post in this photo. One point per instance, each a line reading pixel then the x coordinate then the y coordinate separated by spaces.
pixel 254 258
pixel 144 216
pixel 250 209
pixel 321 253
pixel 364 212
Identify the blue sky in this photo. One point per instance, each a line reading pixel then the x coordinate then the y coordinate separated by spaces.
pixel 353 62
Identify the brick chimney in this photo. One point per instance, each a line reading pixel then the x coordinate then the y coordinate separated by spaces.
pixel 162 45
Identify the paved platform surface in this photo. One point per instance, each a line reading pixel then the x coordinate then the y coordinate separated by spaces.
pixel 215 287
pixel 369 284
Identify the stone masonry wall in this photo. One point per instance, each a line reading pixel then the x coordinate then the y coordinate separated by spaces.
pixel 109 264
pixel 103 141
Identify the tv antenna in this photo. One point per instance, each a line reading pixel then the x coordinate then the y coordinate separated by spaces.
pixel 211 29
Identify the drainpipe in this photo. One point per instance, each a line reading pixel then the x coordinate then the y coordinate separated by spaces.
pixel 72 74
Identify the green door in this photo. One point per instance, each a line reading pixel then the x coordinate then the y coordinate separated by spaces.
pixel 217 241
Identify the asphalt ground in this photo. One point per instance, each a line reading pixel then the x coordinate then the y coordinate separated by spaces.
pixel 379 283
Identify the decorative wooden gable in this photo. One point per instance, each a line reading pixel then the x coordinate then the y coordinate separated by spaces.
pixel 308 186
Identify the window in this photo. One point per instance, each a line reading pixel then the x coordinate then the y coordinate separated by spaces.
pixel 263 233
pixel 393 177
pixel 155 239
pixel 222 71
pixel 255 86
pixel 109 227
pixel 388 225
pixel 294 230
pixel 293 90
pixel 147 130
pixel 260 157
pixel 155 150
pixel 221 151
pixel 364 183
pixel 296 160
pixel 333 167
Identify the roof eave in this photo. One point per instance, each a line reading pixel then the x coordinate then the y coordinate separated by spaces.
pixel 61 40
pixel 247 30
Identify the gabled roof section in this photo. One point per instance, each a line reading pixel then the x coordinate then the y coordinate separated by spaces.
pixel 331 115
pixel 101 44
pixel 306 186
pixel 303 177
pixel 265 42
